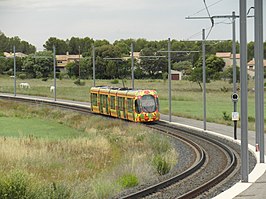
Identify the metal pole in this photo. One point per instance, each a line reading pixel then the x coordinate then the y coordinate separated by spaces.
pixel 256 59
pixel 243 84
pixel 234 69
pixel 132 64
pixel 169 80
pixel 79 62
pixel 15 80
pixel 93 64
pixel 204 78
pixel 54 73
pixel 260 76
pixel 261 82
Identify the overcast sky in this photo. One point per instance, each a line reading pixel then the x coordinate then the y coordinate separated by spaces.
pixel 37 20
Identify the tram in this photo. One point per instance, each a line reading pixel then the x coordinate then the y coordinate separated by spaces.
pixel 124 103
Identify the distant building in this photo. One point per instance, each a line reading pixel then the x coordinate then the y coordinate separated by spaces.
pixel 251 67
pixel 18 54
pixel 63 60
pixel 176 75
pixel 228 58
pixel 136 56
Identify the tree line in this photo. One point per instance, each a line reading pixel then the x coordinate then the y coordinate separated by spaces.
pixel 40 64
pixel 6 44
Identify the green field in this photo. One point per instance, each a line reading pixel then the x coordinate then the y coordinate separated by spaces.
pixel 187 98
pixel 39 128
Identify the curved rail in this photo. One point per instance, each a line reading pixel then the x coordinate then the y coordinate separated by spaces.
pixel 211 183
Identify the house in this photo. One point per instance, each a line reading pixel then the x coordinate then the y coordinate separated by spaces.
pixel 11 55
pixel 251 67
pixel 136 56
pixel 176 75
pixel 228 58
pixel 63 60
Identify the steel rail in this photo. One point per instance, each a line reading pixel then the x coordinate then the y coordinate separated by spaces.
pixel 220 177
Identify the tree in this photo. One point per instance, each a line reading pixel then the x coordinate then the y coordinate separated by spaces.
pixel 214 66
pixel 73 45
pixel 72 69
pixel 106 68
pixel 196 76
pixel 124 47
pixel 60 45
pixel 228 74
pixel 38 65
pixel 184 66
pixel 99 43
pixel 152 67
pixel 6 44
pixel 140 44
pixel 250 50
pixel 85 68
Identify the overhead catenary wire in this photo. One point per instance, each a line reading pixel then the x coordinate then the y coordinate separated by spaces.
pixel 212 21
pixel 205 8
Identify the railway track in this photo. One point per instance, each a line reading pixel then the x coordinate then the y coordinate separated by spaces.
pixel 214 163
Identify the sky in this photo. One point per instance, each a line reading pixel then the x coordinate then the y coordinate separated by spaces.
pixel 37 20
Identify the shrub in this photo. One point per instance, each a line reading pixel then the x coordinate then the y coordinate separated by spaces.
pixel 45 79
pixel 165 75
pixel 224 89
pixel 128 180
pixel 161 165
pixel 22 76
pixel 140 138
pixel 63 75
pixel 17 185
pixel 58 191
pixel 79 82
pixel 226 116
pixel 251 119
pixel 115 81
pixel 160 144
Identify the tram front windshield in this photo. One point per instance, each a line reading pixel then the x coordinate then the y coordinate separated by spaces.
pixel 148 103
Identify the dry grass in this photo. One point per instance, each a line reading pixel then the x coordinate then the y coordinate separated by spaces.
pixel 86 165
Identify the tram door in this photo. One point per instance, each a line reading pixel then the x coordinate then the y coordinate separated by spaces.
pixel 104 104
pixel 130 112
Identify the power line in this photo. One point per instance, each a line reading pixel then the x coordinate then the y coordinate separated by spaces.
pixel 205 8
pixel 212 21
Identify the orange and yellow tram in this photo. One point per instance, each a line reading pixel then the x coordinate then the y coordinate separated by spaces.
pixel 133 105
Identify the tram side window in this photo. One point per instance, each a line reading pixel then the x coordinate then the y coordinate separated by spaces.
pixel 129 105
pixel 112 102
pixel 137 105
pixel 94 99
pixel 120 103
pixel 105 101
pixel 101 101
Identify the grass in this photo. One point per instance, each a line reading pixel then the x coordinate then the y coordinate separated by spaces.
pixel 187 98
pixel 50 153
pixel 19 127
